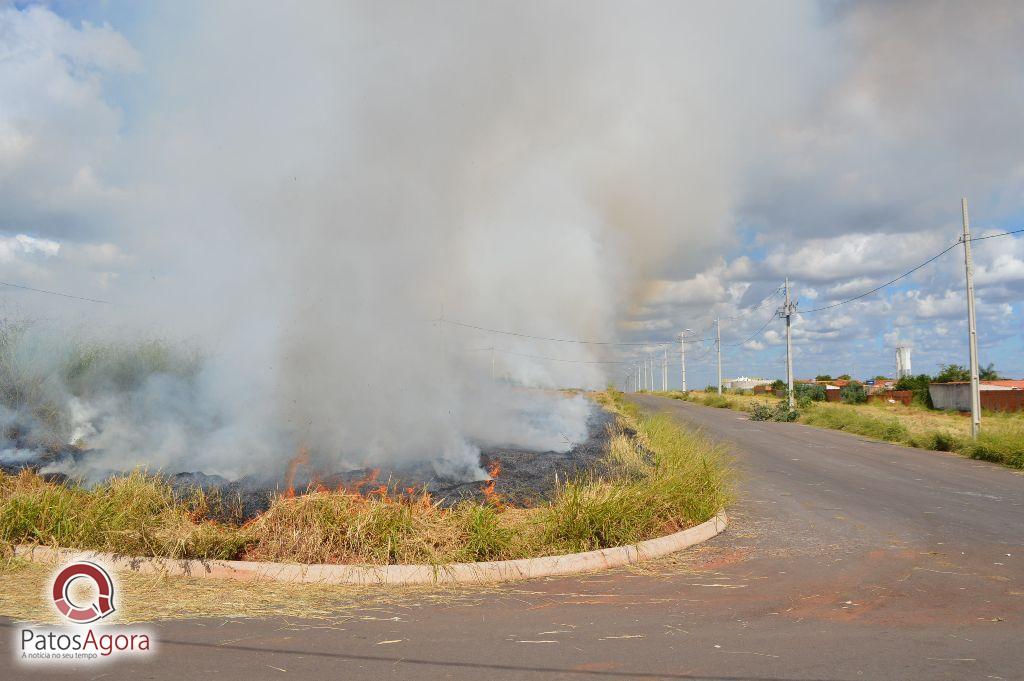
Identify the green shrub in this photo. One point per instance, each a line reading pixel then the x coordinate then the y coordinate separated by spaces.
pixel 717 401
pixel 853 393
pixel 811 391
pixel 763 411
pixel 1005 446
pixel 919 386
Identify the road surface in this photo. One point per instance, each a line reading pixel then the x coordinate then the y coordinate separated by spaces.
pixel 847 559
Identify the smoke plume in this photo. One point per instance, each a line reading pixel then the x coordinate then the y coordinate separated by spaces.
pixel 299 194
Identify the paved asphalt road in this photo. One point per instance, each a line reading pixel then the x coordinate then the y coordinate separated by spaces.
pixel 847 559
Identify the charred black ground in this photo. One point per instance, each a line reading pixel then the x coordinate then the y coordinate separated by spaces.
pixel 526 478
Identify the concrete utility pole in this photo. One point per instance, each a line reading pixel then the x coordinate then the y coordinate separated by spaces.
pixel 971 326
pixel 787 312
pixel 682 357
pixel 492 364
pixel 718 347
pixel 664 368
pixel 637 378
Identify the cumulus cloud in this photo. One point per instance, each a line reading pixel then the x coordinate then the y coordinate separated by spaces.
pixel 58 129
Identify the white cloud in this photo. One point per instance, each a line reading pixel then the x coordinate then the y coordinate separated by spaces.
pixel 703 288
pixel 24 246
pixel 58 132
pixel 853 256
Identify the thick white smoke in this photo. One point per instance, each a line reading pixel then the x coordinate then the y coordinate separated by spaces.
pixel 304 189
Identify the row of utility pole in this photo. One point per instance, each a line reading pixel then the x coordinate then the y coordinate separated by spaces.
pixel 644 376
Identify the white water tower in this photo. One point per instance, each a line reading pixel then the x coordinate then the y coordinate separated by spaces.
pixel 903 361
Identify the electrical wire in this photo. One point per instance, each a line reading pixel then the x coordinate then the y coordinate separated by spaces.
pixel 879 288
pixel 909 272
pixel 753 335
pixel 56 293
pixel 758 306
pixel 991 236
pixel 558 359
pixel 519 334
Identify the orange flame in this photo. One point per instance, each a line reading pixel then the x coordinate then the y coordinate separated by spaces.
pixel 301 458
pixel 490 496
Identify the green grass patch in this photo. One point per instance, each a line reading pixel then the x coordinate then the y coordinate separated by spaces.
pixel 854 420
pixel 1001 439
pixel 717 401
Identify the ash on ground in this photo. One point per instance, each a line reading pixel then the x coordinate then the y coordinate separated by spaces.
pixel 527 478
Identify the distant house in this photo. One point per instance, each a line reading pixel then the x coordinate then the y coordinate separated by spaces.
pixel 878 385
pixel 1000 395
pixel 745 383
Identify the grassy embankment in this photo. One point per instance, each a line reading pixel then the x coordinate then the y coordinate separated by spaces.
pixel 1001 440
pixel 656 478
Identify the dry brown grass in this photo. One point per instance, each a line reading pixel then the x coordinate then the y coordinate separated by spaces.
pixel 142 598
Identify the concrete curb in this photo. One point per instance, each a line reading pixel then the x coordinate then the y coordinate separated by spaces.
pixel 453 573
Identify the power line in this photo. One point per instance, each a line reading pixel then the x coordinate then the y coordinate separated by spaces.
pixel 56 293
pixel 756 307
pixel 909 272
pixel 753 335
pixel 519 334
pixel 879 288
pixel 558 359
pixel 992 236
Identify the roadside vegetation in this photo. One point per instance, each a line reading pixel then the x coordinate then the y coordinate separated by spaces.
pixel 656 478
pixel 47 376
pixel 1001 440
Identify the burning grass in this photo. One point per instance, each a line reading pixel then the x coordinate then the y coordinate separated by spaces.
pixel 655 478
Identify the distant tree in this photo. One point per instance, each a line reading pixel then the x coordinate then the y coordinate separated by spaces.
pixel 778 384
pixel 989 373
pixel 950 373
pixel 823 377
pixel 881 378
pixel 809 392
pixel 854 393
pixel 844 377
pixel 919 386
